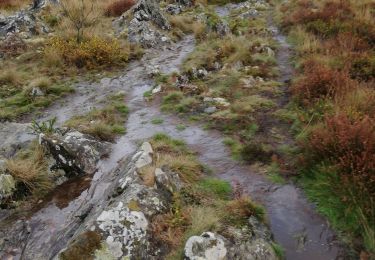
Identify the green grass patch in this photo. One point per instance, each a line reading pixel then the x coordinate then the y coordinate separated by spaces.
pixel 157 121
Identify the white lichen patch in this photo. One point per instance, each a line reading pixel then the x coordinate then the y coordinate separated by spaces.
pixel 123 229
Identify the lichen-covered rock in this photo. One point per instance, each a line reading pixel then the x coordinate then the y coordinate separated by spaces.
pixel 148 10
pixel 23 23
pixel 251 242
pixel 167 180
pixel 124 222
pixel 144 156
pixel 74 152
pixel 173 9
pixel 207 246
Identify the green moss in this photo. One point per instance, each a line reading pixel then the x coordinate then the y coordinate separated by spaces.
pixel 83 247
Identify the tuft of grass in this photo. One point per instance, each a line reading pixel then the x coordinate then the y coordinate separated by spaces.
pixel 157 121
pixel 30 170
pixel 180 127
pixel 105 123
pixel 239 210
pixel 279 250
pixel 273 173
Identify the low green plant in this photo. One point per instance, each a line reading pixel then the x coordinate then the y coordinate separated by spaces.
pixel 219 188
pixel 157 121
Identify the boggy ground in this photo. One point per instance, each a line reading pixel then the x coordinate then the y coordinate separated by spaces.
pixel 301 232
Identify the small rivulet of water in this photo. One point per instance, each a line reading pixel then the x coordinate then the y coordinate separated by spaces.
pixel 302 232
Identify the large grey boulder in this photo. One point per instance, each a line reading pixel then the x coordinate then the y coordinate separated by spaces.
pixel 74 152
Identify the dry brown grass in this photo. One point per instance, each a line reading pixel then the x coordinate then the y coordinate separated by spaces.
pixel 31 171
pixel 13 4
pixel 148 175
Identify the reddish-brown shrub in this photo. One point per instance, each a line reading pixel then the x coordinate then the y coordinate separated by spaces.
pixel 348 42
pixel 305 13
pixel 320 81
pixel 348 144
pixel 117 8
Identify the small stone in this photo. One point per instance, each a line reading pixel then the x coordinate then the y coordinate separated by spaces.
pixel 36 92
pixel 156 90
pixel 210 110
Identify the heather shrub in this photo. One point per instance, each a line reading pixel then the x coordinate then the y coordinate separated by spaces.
pixel 319 81
pixel 117 8
pixel 349 145
pixel 90 53
pixel 363 68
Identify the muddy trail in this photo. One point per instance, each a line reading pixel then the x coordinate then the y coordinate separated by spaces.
pixel 296 226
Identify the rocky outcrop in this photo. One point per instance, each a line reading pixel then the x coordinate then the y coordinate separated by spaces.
pixel 144 24
pixel 24 23
pixel 123 224
pixel 249 243
pixel 74 152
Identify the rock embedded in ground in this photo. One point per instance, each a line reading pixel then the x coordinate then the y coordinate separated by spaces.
pixel 208 246
pixel 251 242
pixel 74 152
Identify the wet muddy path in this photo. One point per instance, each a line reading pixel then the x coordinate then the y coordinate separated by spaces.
pixel 302 232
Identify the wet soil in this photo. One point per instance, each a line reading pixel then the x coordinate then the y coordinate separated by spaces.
pixel 302 232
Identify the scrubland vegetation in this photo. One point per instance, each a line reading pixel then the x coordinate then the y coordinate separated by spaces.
pixel 204 203
pixel 333 109
pixel 39 70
